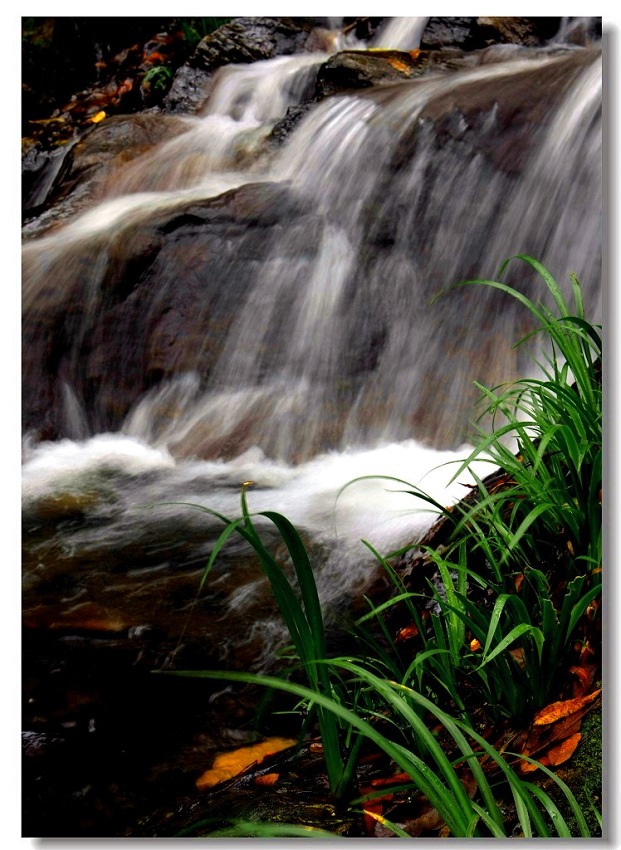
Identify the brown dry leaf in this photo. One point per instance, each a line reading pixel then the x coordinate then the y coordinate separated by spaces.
pixel 564 750
pixel 227 765
pixel 558 710
pixel 585 676
pixel 518 655
pixel 396 779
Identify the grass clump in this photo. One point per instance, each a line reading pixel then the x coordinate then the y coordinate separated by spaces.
pixel 510 603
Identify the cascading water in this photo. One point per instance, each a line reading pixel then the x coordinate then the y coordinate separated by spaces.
pixel 401 33
pixel 225 310
pixel 328 338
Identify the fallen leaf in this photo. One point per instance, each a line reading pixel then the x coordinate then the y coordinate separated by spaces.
pixel 564 750
pixel 399 66
pixel 267 779
pixel 391 780
pixel 406 632
pixel 98 117
pixel 227 765
pixel 518 655
pixel 371 816
pixel 528 767
pixel 585 676
pixel 558 710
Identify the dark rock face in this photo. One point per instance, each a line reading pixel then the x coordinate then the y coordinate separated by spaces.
pixel 163 305
pixel 445 32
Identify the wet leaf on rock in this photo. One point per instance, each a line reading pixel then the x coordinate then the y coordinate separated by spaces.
pixel 230 764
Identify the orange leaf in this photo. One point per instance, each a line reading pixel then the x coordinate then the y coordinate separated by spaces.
pixel 527 767
pixel 398 65
pixel 565 750
pixel 372 815
pixel 267 779
pixel 406 632
pixel 390 780
pixel 585 674
pixel 228 765
pixel 558 710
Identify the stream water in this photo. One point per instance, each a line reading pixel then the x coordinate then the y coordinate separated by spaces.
pixel 335 363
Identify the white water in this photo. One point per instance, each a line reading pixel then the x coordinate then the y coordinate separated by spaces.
pixel 313 495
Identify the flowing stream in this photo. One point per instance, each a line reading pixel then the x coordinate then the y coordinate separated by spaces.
pixel 334 360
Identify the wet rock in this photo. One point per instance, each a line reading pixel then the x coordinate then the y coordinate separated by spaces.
pixel 509 31
pixel 40 171
pixel 164 307
pixel 242 41
pixel 359 69
pixel 449 32
pixel 471 33
pixel 251 40
pixel 189 90
pixel 356 69
pixel 88 163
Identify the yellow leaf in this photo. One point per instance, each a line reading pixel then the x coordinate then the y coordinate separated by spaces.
pixel 95 119
pixel 228 765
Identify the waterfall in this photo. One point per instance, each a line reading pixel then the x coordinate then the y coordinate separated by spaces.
pixel 225 311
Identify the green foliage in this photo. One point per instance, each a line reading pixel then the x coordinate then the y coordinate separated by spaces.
pixel 158 78
pixel 303 618
pixel 520 566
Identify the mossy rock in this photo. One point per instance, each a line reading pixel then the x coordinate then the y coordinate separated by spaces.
pixel 583 775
